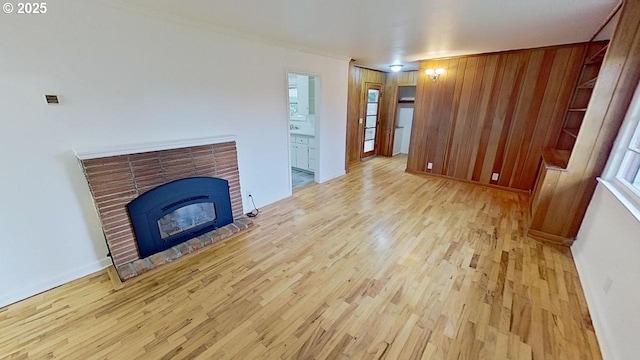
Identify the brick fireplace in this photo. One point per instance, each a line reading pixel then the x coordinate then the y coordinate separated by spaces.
pixel 116 177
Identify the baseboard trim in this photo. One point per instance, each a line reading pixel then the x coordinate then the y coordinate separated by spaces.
pixel 55 281
pixel 550 238
pixel 601 329
pixel 332 176
pixel 492 186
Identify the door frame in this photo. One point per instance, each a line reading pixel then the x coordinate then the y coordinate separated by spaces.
pixel 394 115
pixel 362 129
pixel 317 118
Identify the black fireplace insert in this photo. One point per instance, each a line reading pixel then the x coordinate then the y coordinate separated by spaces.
pixel 177 211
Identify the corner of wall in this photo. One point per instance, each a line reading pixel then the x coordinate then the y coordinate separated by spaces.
pixel 52 282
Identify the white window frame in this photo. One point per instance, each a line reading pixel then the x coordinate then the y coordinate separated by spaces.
pixel 620 187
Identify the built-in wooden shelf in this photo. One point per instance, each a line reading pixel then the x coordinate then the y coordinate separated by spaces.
pixel 588 84
pixel 598 57
pixel 571 131
pixel 556 159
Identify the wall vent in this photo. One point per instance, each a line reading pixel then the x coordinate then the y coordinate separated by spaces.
pixel 51 99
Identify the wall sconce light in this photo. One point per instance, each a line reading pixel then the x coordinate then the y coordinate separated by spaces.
pixel 434 74
pixel 396 68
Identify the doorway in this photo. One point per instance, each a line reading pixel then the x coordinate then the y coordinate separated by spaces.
pixel 372 119
pixel 303 116
pixel 403 119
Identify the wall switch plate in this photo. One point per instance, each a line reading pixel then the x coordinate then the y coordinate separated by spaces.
pixel 429 166
pixel 495 176
pixel 360 121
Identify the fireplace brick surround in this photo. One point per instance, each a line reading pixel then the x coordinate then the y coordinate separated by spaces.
pixel 116 180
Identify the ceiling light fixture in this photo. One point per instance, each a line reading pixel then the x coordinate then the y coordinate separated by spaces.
pixel 434 74
pixel 396 68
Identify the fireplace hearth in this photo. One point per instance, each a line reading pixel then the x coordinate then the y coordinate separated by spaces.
pixel 177 211
pixel 182 222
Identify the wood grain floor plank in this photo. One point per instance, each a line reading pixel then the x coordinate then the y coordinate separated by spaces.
pixel 378 264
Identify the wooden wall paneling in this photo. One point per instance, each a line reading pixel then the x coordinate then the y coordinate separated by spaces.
pixel 415 147
pixel 453 80
pixel 458 142
pixel 353 111
pixel 503 159
pixel 420 118
pixel 417 113
pixel 512 91
pixel 563 75
pixel 387 115
pixel 484 113
pixel 480 120
pixel 481 94
pixel 453 113
pixel 495 146
pixel 419 127
pixel 468 96
pixel 435 97
pixel 480 171
pixel 520 162
pixel 531 118
pixel 439 128
pixel 475 121
pixel 612 93
pixel 406 78
pixel 530 98
pixel 416 144
pixel 550 82
pixel 358 78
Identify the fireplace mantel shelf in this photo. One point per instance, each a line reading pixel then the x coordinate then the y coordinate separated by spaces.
pixel 116 150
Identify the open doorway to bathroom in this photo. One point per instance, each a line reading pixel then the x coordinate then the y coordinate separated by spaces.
pixel 302 128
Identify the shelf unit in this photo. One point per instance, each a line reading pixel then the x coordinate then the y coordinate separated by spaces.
pixel 594 56
pixel 546 224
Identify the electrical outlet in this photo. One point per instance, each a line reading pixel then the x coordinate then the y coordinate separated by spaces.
pixel 495 176
pixel 608 282
pixel 360 121
pixel 429 166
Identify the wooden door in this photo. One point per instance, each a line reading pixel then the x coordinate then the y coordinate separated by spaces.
pixel 370 129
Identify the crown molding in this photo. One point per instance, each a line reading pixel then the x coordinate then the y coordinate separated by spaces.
pixel 196 23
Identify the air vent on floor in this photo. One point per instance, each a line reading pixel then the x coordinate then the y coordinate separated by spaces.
pixel 52 99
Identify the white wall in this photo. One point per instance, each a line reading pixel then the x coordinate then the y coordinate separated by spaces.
pixel 405 119
pixel 127 78
pixel 607 247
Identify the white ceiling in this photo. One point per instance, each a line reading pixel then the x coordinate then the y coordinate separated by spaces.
pixel 379 33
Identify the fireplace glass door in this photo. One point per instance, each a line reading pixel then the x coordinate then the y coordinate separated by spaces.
pixel 185 218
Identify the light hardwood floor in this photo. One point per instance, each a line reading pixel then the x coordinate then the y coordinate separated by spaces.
pixel 378 264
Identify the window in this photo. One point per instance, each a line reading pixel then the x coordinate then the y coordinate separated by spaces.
pixel 629 172
pixel 623 170
pixel 293 101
